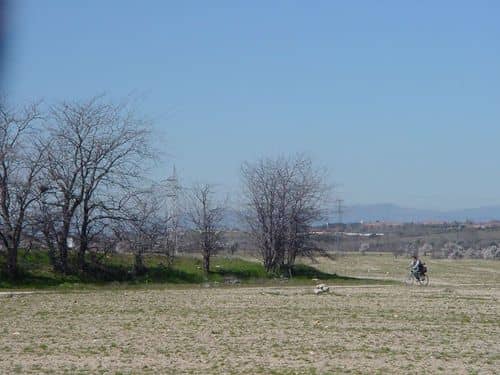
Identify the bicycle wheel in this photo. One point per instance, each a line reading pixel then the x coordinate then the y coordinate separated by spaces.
pixel 409 280
pixel 424 280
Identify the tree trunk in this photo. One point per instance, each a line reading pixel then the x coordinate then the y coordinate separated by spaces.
pixel 53 257
pixel 64 260
pixel 138 264
pixel 81 259
pixel 51 249
pixel 290 270
pixel 12 270
pixel 84 242
pixel 206 262
pixel 82 249
pixel 268 263
pixel 63 245
pixel 63 257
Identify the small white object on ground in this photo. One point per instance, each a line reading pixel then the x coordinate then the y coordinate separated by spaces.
pixel 321 288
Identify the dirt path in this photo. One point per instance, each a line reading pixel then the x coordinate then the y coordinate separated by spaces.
pixel 17 293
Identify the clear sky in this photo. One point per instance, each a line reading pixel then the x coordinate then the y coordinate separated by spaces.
pixel 400 100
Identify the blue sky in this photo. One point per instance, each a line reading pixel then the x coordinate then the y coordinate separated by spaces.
pixel 400 100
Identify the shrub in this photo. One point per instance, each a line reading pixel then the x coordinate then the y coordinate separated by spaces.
pixel 364 247
pixel 491 252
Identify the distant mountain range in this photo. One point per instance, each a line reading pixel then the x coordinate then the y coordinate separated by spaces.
pixel 394 213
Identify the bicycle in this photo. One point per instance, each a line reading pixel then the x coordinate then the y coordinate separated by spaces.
pixel 423 279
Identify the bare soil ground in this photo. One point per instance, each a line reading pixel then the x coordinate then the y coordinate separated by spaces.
pixel 452 326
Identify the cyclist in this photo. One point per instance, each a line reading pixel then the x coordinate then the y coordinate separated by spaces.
pixel 416 267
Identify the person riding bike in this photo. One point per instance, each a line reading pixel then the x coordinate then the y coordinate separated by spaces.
pixel 417 267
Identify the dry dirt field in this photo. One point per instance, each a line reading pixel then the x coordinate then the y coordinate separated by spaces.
pixel 452 326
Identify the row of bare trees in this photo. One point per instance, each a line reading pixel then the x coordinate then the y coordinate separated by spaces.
pixel 74 174
pixel 94 158
pixel 67 173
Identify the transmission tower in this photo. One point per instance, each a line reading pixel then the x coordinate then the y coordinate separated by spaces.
pixel 339 211
pixel 173 192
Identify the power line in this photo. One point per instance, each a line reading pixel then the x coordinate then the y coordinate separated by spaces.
pixel 339 211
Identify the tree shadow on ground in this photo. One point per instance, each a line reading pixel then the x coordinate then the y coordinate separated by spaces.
pixel 36 272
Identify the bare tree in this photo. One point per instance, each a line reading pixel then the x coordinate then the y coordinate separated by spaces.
pixel 284 197
pixel 206 215
pixel 21 159
pixel 97 152
pixel 146 227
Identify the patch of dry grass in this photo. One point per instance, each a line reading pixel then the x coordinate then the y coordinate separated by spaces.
pixel 474 272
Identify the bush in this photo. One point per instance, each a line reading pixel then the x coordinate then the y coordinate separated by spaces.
pixel 491 252
pixel 364 247
pixel 472 253
pixel 453 250
pixel 425 249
